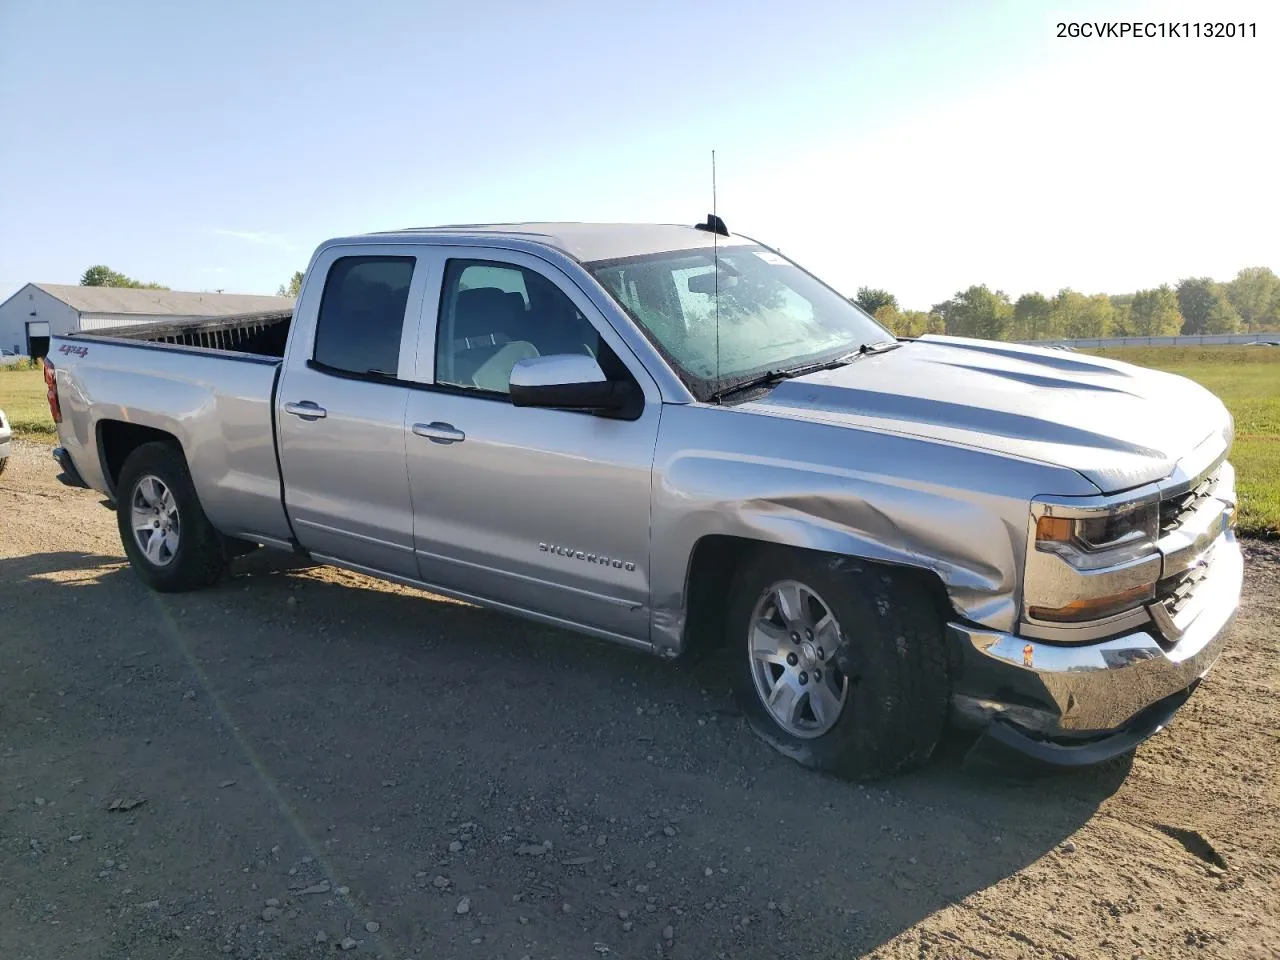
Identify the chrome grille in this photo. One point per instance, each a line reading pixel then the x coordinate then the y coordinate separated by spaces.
pixel 1175 510
pixel 1176 592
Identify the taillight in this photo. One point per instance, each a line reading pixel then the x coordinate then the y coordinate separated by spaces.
pixel 51 382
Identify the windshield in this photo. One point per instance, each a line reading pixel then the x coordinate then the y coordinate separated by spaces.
pixel 772 315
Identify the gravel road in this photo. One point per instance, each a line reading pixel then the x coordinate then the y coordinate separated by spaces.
pixel 301 762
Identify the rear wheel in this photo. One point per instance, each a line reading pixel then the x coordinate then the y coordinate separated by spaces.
pixel 165 533
pixel 840 666
pixel 4 462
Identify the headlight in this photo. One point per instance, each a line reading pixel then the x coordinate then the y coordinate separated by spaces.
pixel 1110 556
pixel 1102 540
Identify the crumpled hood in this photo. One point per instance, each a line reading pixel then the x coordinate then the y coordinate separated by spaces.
pixel 1118 425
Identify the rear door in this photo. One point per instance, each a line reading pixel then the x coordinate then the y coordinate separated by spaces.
pixel 543 510
pixel 341 406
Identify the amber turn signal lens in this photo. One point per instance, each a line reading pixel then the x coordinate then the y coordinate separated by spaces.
pixel 1095 608
pixel 1054 528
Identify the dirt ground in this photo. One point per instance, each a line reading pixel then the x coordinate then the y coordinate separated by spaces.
pixel 305 761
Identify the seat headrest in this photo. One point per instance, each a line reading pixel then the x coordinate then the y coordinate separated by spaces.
pixel 484 310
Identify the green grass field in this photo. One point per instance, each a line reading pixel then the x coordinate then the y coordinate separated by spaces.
pixel 1247 379
pixel 22 398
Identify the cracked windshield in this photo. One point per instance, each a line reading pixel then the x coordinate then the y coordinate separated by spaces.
pixel 757 312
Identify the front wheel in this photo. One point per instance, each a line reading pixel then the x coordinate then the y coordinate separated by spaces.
pixel 838 665
pixel 166 535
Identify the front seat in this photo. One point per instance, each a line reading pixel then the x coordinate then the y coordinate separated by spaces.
pixel 483 320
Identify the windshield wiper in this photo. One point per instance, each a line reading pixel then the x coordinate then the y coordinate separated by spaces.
pixel 777 376
pixel 764 379
pixel 884 346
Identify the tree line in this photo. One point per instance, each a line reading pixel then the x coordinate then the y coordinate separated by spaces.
pixel 100 275
pixel 1247 304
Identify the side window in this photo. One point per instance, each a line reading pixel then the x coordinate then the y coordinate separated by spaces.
pixel 362 315
pixel 493 315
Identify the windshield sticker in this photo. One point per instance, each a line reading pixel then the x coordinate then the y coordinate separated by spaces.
pixel 770 258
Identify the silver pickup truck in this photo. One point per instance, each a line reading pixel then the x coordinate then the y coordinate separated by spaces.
pixel 675 438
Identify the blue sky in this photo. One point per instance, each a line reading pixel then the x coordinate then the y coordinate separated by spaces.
pixel 919 146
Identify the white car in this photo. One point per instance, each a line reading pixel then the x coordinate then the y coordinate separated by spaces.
pixel 8 358
pixel 6 434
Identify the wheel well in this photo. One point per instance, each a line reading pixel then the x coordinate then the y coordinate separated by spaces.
pixel 715 562
pixel 116 440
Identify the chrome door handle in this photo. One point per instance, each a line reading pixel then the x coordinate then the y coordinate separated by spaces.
pixel 438 432
pixel 306 410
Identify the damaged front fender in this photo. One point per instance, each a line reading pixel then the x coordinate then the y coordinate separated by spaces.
pixel 956 512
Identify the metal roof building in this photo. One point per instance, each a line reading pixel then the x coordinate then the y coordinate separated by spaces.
pixel 41 310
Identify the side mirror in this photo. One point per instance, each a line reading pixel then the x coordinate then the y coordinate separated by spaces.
pixel 572 381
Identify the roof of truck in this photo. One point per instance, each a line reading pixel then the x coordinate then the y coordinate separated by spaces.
pixel 587 241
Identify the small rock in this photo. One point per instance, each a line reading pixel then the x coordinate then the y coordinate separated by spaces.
pixel 464 906
pixel 270 913
pixel 321 887
pixel 344 890
pixel 348 943
pixel 226 783
pixel 40 801
pixel 440 883
pixel 626 927
pixel 273 902
pixel 623 914
pixel 1068 847
pixel 476 941
pixel 668 932
pixel 321 937
pixel 708 872
pixel 189 695
pixel 121 805
pixel 150 905
pixel 373 926
pixel 291 601
pixel 1216 871
pixel 566 908
pixel 577 861
pixel 601 840
pixel 669 831
pixel 75 838
pixel 532 850
pixel 523 920
pixel 455 846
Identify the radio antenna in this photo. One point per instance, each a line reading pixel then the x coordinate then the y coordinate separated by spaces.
pixel 715 258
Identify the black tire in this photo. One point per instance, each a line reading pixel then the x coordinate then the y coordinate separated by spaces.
pixel 200 557
pixel 893 654
pixel 4 462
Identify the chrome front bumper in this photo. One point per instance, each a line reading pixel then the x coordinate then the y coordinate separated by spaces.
pixel 1076 694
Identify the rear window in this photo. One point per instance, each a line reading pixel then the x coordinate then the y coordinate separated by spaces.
pixel 362 315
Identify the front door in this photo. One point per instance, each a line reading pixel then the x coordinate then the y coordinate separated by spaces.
pixel 341 413
pixel 543 510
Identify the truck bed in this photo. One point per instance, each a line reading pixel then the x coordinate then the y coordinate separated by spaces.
pixel 263 334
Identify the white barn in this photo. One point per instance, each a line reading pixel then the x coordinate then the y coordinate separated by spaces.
pixel 41 310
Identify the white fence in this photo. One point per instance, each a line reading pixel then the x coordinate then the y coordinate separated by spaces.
pixel 1194 340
